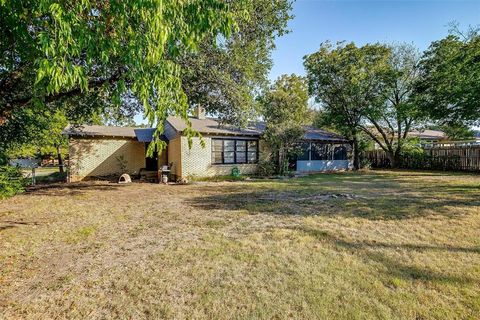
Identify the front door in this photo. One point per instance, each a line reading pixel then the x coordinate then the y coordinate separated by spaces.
pixel 151 163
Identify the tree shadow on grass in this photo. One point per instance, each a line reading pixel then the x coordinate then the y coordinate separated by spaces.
pixel 10 224
pixel 64 189
pixel 369 250
pixel 386 202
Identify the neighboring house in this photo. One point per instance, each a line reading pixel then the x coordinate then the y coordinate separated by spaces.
pixel 24 162
pixel 476 135
pixel 428 136
pixel 97 151
pixel 425 137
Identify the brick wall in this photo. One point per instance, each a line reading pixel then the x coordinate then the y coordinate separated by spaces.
pixel 94 157
pixel 174 156
pixel 197 161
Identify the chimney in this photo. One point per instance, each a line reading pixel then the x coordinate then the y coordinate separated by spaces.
pixel 200 112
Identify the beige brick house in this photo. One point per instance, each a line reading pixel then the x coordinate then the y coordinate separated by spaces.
pixel 96 151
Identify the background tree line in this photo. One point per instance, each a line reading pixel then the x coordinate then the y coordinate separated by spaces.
pixel 386 91
pixel 379 93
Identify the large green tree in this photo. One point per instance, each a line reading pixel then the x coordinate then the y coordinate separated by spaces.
pixel 285 110
pixel 45 138
pixel 86 54
pixel 395 114
pixel 226 76
pixel 449 87
pixel 347 81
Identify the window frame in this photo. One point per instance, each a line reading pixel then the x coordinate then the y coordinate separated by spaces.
pixel 235 162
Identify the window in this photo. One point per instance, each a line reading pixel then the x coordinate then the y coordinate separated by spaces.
pixel 226 151
pixel 321 151
pixel 305 155
pixel 241 150
pixel 252 151
pixel 217 151
pixel 340 153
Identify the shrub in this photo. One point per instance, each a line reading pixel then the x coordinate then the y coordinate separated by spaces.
pixel 11 181
pixel 266 168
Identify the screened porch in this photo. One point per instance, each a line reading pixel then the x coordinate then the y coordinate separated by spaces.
pixel 322 156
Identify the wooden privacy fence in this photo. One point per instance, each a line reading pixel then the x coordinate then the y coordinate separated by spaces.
pixel 451 158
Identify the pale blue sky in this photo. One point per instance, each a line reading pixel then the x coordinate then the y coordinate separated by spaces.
pixel 414 21
pixel 417 22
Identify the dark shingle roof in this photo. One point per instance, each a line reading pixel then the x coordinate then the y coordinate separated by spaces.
pixel 140 134
pixel 144 134
pixel 312 133
pixel 213 126
pixel 207 126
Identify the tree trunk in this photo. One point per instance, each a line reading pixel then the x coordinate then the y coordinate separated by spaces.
pixel 281 162
pixel 60 159
pixel 356 153
pixel 394 157
pixel 396 160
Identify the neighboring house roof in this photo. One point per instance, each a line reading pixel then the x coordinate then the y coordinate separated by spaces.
pixel 428 134
pixel 208 126
pixel 141 134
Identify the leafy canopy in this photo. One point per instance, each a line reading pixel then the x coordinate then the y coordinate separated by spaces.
pixel 347 81
pixel 285 110
pixel 95 51
pixel 44 138
pixel 389 122
pixel 226 76
pixel 449 87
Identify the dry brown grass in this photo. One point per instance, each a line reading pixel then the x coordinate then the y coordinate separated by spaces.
pixel 387 245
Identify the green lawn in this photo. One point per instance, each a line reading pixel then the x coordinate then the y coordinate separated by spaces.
pixel 388 245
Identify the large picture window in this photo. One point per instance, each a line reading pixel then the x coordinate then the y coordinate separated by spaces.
pixel 229 151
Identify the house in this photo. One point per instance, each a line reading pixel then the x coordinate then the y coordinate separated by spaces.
pixel 425 137
pixel 96 151
pixel 428 136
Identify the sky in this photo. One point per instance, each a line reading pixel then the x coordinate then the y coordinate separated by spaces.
pixel 412 21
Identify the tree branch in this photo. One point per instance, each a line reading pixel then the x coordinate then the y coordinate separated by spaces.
pixel 51 98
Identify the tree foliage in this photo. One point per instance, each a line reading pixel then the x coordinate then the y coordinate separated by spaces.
pixel 97 53
pixel 285 110
pixel 11 181
pixel 347 81
pixel 455 131
pixel 389 122
pixel 367 89
pixel 449 87
pixel 226 77
pixel 45 138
